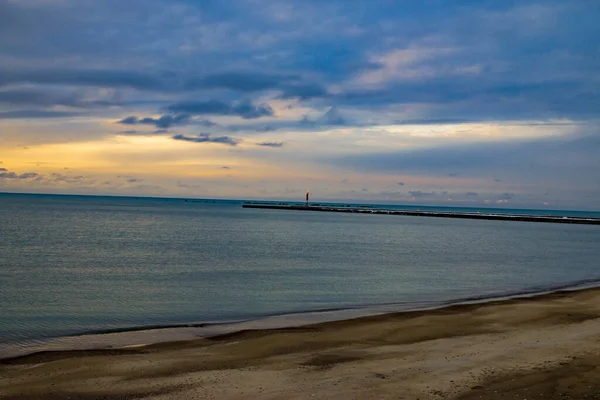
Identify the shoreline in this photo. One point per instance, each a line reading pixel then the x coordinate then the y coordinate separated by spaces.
pixel 114 339
pixel 464 351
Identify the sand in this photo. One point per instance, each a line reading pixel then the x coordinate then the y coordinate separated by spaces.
pixel 545 347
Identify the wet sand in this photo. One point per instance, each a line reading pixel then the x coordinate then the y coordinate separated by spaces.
pixel 545 347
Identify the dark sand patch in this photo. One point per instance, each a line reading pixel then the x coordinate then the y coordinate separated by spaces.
pixel 578 378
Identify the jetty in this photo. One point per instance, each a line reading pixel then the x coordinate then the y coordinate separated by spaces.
pixel 418 213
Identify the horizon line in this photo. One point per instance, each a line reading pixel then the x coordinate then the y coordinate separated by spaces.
pixel 326 201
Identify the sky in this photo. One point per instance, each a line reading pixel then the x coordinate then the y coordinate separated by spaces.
pixel 453 103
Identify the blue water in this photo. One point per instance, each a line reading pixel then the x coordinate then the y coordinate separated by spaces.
pixel 74 264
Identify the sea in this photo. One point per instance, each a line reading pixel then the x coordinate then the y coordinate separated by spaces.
pixel 90 271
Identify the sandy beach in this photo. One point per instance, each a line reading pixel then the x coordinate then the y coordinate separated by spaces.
pixel 545 347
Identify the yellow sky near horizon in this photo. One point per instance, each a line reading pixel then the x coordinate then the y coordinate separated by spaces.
pixel 156 164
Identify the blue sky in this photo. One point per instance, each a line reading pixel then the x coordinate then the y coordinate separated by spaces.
pixel 429 102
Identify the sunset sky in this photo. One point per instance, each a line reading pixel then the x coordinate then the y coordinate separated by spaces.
pixel 458 103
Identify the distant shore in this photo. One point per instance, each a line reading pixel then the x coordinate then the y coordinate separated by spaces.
pixel 438 214
pixel 544 346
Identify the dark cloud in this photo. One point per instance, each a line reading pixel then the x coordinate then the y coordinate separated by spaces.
pixel 37 114
pixel 240 81
pixel 305 120
pixel 3 169
pixel 82 77
pixel 131 132
pixel 69 178
pixel 268 128
pixel 332 117
pixel 471 194
pixel 453 175
pixel 225 167
pixel 490 60
pixel 83 99
pixel 36 97
pixel 245 108
pixel 206 138
pixel 432 121
pixel 401 183
pixel 131 120
pixel 506 196
pixel 291 86
pixel 469 98
pixel 303 91
pixel 163 122
pixel 419 193
pixel 205 123
pixel 270 144
pixel 13 175
pixel 133 180
pixel 160 131
pixel 571 158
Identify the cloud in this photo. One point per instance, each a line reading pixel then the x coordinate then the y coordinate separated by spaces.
pixel 13 175
pixel 240 81
pixel 3 169
pixel 419 194
pixel 206 138
pixel 471 194
pixel 401 183
pixel 131 120
pixel 332 117
pixel 77 179
pixel 506 196
pixel 245 108
pixel 303 91
pixel 340 65
pixel 164 121
pixel 290 85
pixel 82 77
pixel 551 158
pixel 305 120
pixel 28 97
pixel 270 144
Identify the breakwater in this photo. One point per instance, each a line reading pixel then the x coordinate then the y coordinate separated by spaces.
pixel 435 214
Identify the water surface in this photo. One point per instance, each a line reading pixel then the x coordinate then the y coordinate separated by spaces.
pixel 75 264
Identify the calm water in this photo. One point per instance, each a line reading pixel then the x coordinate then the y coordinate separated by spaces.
pixel 73 264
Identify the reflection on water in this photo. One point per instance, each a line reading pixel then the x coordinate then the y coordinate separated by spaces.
pixel 77 264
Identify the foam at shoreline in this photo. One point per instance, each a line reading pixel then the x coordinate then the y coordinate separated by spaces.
pixel 138 336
